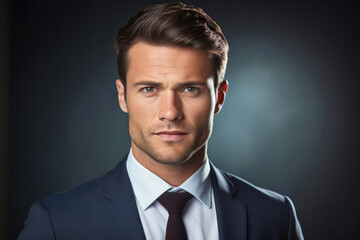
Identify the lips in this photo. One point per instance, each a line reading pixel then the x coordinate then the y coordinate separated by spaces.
pixel 171 135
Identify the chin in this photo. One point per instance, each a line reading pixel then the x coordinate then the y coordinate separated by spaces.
pixel 173 159
pixel 168 154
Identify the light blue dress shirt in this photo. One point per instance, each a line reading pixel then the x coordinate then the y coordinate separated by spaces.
pixel 199 215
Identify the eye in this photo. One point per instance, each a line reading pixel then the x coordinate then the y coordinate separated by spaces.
pixel 148 89
pixel 191 89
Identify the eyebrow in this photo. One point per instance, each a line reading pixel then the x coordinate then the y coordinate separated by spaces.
pixel 156 84
pixel 192 83
pixel 147 83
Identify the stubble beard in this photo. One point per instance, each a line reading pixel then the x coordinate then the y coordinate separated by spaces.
pixel 162 156
pixel 159 155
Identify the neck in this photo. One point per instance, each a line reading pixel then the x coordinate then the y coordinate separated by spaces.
pixel 173 174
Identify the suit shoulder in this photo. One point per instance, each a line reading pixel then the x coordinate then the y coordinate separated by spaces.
pixel 267 207
pixel 254 195
pixel 84 194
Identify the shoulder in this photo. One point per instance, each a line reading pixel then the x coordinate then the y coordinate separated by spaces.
pixel 86 198
pixel 252 194
pixel 245 191
pixel 66 210
pixel 65 213
pixel 84 194
pixel 266 209
pixel 258 199
pixel 93 192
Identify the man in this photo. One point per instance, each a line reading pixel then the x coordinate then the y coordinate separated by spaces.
pixel 171 60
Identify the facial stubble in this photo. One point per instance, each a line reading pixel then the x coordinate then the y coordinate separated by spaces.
pixel 191 152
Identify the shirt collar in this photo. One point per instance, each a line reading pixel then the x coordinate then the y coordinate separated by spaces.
pixel 148 187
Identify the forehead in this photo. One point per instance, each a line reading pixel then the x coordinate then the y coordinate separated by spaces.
pixel 148 59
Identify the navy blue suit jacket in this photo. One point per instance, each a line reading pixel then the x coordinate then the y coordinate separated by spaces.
pixel 105 208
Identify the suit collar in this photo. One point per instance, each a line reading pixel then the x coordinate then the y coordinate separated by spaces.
pixel 121 213
pixel 230 211
pixel 117 181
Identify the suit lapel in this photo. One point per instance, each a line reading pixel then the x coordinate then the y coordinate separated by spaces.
pixel 231 212
pixel 121 213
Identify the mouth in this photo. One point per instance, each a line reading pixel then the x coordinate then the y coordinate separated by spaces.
pixel 171 135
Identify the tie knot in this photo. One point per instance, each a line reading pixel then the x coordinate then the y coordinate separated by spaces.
pixel 174 202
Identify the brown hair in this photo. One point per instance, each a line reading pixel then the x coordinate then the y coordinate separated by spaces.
pixel 173 24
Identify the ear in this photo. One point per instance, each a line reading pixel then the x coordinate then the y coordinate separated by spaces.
pixel 222 88
pixel 121 95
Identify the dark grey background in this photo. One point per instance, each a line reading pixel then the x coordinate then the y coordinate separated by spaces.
pixel 290 121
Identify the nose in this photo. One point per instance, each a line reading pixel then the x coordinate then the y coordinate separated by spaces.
pixel 171 107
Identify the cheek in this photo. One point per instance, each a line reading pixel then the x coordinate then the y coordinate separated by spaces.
pixel 140 113
pixel 200 114
pixel 137 106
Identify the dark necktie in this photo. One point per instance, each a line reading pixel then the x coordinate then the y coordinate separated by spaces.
pixel 174 203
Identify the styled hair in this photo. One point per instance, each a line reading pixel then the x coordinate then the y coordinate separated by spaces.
pixel 173 24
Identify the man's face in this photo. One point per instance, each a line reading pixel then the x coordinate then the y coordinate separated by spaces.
pixel 171 101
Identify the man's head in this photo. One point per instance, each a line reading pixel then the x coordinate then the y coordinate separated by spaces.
pixel 173 24
pixel 171 60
